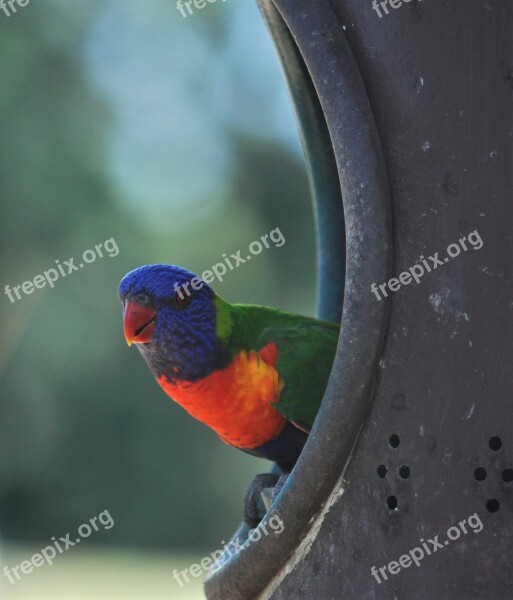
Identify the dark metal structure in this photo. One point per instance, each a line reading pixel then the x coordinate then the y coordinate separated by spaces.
pixel 406 114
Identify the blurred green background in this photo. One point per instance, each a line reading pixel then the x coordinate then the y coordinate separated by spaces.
pixel 174 136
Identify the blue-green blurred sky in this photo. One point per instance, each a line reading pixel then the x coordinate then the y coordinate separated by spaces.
pixel 121 119
pixel 181 89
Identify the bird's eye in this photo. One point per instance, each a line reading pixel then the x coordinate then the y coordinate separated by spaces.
pixel 142 298
pixel 183 300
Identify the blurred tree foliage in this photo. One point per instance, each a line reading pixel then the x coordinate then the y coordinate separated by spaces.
pixel 83 427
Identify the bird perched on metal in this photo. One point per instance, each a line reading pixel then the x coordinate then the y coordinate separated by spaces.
pixel 255 375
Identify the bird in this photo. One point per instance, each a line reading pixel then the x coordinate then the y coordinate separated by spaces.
pixel 256 375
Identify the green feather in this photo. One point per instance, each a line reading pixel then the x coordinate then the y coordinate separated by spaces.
pixel 306 349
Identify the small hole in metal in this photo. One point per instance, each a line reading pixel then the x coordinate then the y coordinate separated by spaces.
pixel 382 471
pixel 394 440
pixel 480 474
pixel 392 503
pixel 404 472
pixel 495 443
pixel 493 505
pixel 507 475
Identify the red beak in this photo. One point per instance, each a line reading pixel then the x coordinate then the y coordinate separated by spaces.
pixel 139 322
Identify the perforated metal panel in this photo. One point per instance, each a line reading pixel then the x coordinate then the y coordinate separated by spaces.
pixel 435 453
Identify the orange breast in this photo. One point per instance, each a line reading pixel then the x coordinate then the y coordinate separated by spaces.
pixel 236 402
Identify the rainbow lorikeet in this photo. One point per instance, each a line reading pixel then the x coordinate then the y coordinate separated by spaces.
pixel 255 375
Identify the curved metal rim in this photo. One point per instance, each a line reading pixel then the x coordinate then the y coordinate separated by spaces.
pixel 348 397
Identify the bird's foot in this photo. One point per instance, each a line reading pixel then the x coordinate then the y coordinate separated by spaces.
pixel 259 496
pixel 279 486
pixel 254 508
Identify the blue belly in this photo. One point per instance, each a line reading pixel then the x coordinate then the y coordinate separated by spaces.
pixel 284 449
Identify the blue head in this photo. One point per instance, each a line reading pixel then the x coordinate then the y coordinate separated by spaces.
pixel 171 314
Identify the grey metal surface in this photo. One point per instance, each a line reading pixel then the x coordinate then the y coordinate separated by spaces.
pixel 436 449
pixel 440 82
pixel 345 159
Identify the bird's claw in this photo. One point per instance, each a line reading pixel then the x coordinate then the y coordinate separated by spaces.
pixel 254 508
pixel 258 498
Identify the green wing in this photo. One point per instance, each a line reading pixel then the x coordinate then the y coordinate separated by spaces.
pixel 306 349
pixel 306 352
